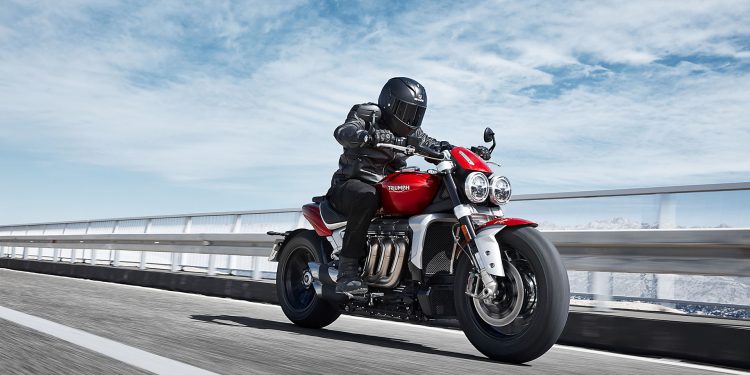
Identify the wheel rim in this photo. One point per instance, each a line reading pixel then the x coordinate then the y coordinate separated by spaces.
pixel 500 313
pixel 299 294
pixel 510 313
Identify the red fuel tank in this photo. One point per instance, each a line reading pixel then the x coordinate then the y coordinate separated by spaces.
pixel 407 193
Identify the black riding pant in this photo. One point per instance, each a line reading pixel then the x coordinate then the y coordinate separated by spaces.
pixel 358 201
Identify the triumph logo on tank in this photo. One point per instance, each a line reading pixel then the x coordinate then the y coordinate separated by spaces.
pixel 399 188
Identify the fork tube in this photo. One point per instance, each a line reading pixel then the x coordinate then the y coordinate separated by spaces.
pixel 450 184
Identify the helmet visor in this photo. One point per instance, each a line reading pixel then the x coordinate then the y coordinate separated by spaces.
pixel 409 114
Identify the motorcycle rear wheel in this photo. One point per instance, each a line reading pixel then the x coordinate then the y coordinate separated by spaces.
pixel 517 328
pixel 299 302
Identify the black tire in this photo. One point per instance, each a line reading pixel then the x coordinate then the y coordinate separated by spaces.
pixel 542 324
pixel 300 304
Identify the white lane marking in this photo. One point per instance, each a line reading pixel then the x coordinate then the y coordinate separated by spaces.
pixel 444 330
pixel 121 352
pixel 654 360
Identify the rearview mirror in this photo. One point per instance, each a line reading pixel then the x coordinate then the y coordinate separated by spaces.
pixel 489 135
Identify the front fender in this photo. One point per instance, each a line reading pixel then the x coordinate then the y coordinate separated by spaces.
pixel 489 255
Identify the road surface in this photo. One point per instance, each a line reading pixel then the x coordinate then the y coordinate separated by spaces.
pixel 51 324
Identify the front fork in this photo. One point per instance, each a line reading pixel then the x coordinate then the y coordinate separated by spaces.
pixel 464 218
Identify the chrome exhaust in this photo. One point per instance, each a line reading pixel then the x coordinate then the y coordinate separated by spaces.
pixel 397 265
pixel 385 261
pixel 373 257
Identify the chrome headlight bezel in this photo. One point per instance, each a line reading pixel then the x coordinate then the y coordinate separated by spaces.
pixel 475 180
pixel 500 190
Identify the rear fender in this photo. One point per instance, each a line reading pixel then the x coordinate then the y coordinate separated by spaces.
pixel 490 256
pixel 323 248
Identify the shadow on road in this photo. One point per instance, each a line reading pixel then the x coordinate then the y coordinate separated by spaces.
pixel 335 335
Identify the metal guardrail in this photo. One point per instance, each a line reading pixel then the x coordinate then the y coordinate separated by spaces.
pixel 719 252
pixel 232 237
pixel 706 188
pixel 247 244
pixel 714 252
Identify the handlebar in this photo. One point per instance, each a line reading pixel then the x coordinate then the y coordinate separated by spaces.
pixel 432 154
pixel 414 150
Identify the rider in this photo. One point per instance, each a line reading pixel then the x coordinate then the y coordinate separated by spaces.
pixel 398 114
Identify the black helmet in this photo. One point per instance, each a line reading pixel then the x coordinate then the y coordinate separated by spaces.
pixel 403 102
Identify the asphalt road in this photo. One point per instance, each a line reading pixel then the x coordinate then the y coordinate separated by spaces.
pixel 236 337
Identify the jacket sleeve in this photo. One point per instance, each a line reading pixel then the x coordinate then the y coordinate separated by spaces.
pixel 358 121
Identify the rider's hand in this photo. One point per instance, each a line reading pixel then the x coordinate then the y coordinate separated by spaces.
pixel 482 152
pixel 384 136
pixel 363 138
pixel 444 145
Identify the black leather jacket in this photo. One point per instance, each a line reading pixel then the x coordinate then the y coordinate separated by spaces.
pixel 367 163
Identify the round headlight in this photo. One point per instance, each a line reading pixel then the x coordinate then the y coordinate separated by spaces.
pixel 477 187
pixel 499 190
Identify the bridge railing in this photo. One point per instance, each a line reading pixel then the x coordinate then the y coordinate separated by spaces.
pixel 235 243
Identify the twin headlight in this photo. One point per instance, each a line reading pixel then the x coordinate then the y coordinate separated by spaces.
pixel 478 188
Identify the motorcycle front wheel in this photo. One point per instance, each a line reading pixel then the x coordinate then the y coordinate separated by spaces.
pixel 293 283
pixel 529 312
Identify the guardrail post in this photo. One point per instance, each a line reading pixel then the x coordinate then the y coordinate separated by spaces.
pixel 72 251
pixel 211 270
pixel 25 251
pixel 176 261
pixel 142 263
pixel 230 264
pixel 667 212
pixel 93 251
pixel 257 274
pixel 667 220
pixel 56 251
pixel 116 253
pixel 665 288
pixel 39 249
pixel 13 252
pixel 602 290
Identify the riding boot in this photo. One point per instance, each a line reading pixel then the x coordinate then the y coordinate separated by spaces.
pixel 349 280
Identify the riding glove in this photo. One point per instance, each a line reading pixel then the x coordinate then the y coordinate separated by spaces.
pixel 385 136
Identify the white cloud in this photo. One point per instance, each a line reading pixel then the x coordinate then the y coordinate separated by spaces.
pixel 205 93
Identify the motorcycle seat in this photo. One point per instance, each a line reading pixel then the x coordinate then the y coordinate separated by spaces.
pixel 331 218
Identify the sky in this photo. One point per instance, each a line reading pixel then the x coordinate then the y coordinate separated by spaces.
pixel 114 109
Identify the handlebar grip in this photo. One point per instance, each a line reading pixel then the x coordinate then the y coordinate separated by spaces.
pixel 430 152
pixel 416 142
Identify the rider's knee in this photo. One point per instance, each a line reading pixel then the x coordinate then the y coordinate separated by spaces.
pixel 368 199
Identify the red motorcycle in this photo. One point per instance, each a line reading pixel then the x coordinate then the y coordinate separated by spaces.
pixel 440 247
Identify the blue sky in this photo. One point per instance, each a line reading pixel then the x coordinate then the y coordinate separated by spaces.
pixel 135 108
